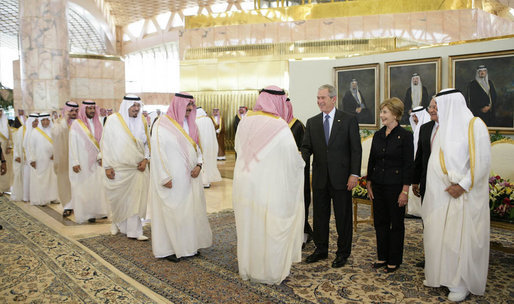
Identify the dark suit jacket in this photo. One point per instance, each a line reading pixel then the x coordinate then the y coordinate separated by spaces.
pixel 298 129
pixel 341 158
pixel 422 156
pixel 391 157
pixel 237 119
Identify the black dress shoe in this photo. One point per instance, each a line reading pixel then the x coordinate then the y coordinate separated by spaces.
pixel 172 258
pixel 339 261
pixel 421 264
pixel 377 265
pixel 316 256
pixel 92 220
pixel 391 269
pixel 67 212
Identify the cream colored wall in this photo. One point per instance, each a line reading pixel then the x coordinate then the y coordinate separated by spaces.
pixel 244 74
pixel 306 76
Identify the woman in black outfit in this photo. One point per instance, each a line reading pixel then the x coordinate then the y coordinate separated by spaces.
pixel 389 177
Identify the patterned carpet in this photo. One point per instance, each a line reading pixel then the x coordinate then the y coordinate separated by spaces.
pixel 37 265
pixel 213 278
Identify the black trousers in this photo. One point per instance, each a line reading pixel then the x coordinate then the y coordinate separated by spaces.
pixel 342 202
pixel 307 199
pixel 389 223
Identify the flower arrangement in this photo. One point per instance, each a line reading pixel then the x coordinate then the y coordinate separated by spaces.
pixel 360 191
pixel 501 197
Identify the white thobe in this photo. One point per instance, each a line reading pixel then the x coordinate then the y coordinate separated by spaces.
pixel 17 184
pixel 60 136
pixel 209 145
pixel 268 201
pixel 456 231
pixel 127 193
pixel 26 164
pixel 179 217
pixel 88 193
pixel 43 181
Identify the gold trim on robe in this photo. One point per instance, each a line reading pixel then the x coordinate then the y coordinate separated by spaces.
pixel 147 133
pixel 45 135
pixel 253 113
pixel 124 124
pixel 88 133
pixel 472 153
pixel 471 142
pixel 441 160
pixel 291 123
pixel 179 127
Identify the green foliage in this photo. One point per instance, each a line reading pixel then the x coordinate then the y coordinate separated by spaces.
pixel 501 197
pixel 365 132
pixel 6 97
pixel 497 136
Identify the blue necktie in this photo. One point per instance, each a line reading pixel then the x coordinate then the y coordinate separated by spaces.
pixel 326 128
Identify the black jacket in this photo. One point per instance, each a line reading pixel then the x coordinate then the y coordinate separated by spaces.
pixel 391 158
pixel 341 158
pixel 422 156
pixel 298 129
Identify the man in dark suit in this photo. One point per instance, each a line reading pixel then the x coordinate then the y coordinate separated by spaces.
pixel 426 134
pixel 241 113
pixel 332 137
pixel 298 130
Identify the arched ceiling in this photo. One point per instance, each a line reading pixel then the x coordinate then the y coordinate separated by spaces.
pixel 85 36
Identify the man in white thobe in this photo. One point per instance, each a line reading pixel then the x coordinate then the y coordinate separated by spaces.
pixel 60 136
pixel 17 164
pixel 209 146
pixel 43 181
pixel 268 192
pixel 22 157
pixel 179 218
pixel 418 117
pixel 125 155
pixel 456 204
pixel 86 172
pixel 5 144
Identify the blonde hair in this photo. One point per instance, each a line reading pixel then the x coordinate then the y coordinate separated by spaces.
pixel 395 105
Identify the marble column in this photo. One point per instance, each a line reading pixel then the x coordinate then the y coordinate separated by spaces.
pixel 44 59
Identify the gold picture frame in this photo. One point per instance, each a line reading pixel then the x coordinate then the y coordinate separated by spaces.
pixel 462 73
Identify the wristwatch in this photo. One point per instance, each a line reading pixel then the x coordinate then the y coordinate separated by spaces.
pixel 199 165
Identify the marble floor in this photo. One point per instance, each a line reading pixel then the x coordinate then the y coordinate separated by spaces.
pixel 218 197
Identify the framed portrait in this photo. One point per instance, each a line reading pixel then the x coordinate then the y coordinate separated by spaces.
pixel 413 81
pixel 358 92
pixel 487 82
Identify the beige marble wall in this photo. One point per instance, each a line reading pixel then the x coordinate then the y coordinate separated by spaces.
pixel 44 60
pixel 155 98
pixel 432 27
pixel 101 80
